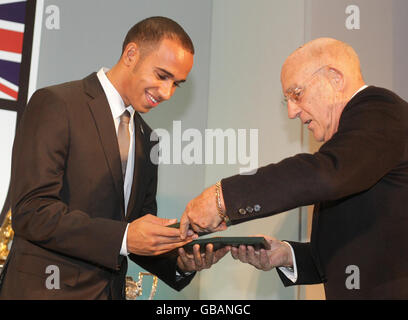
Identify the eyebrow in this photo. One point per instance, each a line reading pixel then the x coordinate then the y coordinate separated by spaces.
pixel 170 74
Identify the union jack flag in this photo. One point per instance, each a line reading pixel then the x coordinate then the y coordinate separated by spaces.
pixel 17 19
pixel 12 18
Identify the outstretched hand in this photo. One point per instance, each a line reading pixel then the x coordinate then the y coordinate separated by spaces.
pixel 151 236
pixel 279 255
pixel 197 261
pixel 201 214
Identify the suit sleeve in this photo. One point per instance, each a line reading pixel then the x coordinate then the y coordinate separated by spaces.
pixel 369 144
pixel 306 266
pixel 39 215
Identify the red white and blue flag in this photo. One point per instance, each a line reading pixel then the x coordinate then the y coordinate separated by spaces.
pixel 17 20
pixel 12 18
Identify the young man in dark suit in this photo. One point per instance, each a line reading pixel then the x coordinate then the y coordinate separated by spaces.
pixel 358 181
pixel 83 185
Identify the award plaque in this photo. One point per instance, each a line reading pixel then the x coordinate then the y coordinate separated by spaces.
pixel 220 242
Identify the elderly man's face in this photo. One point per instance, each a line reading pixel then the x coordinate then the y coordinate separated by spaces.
pixel 311 98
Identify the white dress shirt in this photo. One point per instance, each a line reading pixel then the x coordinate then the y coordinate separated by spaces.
pixel 291 273
pixel 117 107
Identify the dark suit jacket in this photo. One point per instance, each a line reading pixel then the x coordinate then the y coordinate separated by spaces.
pixel 68 202
pixel 359 183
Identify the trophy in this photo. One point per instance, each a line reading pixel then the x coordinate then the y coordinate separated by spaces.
pixel 6 236
pixel 135 289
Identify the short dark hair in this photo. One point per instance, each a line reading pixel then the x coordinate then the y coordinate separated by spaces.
pixel 149 32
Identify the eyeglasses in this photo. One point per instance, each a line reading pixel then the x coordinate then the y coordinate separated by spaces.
pixel 296 94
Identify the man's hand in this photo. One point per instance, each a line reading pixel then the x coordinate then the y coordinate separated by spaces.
pixel 149 236
pixel 279 255
pixel 202 215
pixel 196 261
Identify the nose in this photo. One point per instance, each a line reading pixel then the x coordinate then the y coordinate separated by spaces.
pixel 166 90
pixel 293 110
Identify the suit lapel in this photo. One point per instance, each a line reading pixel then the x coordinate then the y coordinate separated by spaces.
pixel 102 116
pixel 139 163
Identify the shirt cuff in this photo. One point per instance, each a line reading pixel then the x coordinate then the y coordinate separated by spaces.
pixel 181 274
pixel 184 274
pixel 123 250
pixel 290 273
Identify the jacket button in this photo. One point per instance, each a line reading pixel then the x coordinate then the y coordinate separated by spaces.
pixel 257 208
pixel 249 209
pixel 242 211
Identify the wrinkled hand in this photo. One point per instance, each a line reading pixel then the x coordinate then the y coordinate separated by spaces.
pixel 149 236
pixel 279 255
pixel 202 215
pixel 197 261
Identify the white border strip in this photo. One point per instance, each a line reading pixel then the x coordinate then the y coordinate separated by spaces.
pixel 10 56
pixel 8 121
pixel 11 26
pixel 10 1
pixel 35 53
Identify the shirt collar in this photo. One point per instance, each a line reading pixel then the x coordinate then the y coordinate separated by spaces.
pixel 114 99
pixel 361 89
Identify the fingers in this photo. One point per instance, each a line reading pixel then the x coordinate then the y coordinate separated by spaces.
pixel 166 234
pixel 190 262
pixel 166 247
pixel 261 259
pixel 234 253
pixel 147 238
pixel 247 254
pixel 183 261
pixel 221 227
pixel 201 214
pixel 171 233
pixel 160 221
pixel 184 226
pixel 155 226
pixel 161 241
pixel 220 253
pixel 239 253
pixel 209 257
pixel 242 253
pixel 251 258
pixel 264 260
pixel 198 260
pixel 169 222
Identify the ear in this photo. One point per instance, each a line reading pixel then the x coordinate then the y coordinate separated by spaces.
pixel 336 78
pixel 131 54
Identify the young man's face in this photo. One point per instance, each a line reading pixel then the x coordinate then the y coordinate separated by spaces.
pixel 155 77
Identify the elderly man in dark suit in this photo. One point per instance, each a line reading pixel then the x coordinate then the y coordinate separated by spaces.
pixel 358 181
pixel 83 185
